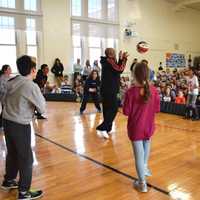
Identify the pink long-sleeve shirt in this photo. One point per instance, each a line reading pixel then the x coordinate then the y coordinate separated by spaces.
pixel 141 116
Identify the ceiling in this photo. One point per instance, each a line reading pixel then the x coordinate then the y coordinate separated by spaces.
pixel 181 4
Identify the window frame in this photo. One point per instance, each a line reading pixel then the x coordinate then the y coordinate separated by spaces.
pixel 29 9
pixel 8 7
pixel 28 29
pixel 81 11
pixel 78 47
pixel 13 65
pixel 84 20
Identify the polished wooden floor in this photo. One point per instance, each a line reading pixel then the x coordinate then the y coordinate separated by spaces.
pixel 73 163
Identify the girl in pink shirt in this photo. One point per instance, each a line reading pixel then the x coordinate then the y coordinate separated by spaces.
pixel 141 103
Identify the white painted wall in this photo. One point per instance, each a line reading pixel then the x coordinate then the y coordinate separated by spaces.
pixel 57 32
pixel 156 22
pixel 161 27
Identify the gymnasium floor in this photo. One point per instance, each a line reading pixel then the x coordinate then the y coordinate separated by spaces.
pixel 73 163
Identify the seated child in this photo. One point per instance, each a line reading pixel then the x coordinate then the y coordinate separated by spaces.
pixel 66 88
pixel 78 87
pixel 167 95
pixel 180 99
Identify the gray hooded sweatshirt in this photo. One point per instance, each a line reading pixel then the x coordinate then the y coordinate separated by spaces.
pixel 23 96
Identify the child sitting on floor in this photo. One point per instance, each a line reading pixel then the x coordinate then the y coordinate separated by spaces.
pixel 78 87
pixel 180 99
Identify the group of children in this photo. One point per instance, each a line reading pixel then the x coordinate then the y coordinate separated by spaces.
pixel 172 86
pixel 181 87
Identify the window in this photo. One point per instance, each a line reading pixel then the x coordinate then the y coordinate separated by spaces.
pixel 7 3
pixel 94 27
pixel 31 37
pixel 110 43
pixel 8 56
pixel 95 9
pixel 32 51
pixel 7 42
pixel 94 48
pixel 76 7
pixel 112 12
pixel 30 5
pixel 20 30
pixel 77 48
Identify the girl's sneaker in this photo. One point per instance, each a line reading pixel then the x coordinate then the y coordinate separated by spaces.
pixel 147 172
pixel 140 186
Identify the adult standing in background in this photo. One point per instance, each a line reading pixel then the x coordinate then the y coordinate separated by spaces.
pixel 96 66
pixel 77 68
pixel 57 70
pixel 86 70
pixel 5 73
pixel 110 82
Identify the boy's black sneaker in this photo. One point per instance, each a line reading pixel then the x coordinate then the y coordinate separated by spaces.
pixel 30 195
pixel 41 117
pixel 8 185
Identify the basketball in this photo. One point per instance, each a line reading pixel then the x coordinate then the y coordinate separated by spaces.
pixel 142 47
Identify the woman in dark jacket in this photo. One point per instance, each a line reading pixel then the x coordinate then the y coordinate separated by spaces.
pixel 91 89
pixel 57 70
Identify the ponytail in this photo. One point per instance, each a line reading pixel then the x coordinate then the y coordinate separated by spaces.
pixel 147 92
pixel 142 76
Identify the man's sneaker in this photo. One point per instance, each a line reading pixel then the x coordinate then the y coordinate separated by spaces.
pixel 141 187
pixel 105 134
pixel 30 195
pixel 8 185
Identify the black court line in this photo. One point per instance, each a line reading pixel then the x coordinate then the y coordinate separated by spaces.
pixel 101 164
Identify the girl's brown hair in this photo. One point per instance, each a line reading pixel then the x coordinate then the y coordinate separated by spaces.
pixel 91 74
pixel 142 73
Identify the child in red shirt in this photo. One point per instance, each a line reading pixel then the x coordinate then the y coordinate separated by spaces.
pixel 140 105
pixel 180 99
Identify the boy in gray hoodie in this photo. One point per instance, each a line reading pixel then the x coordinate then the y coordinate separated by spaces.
pixel 22 98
